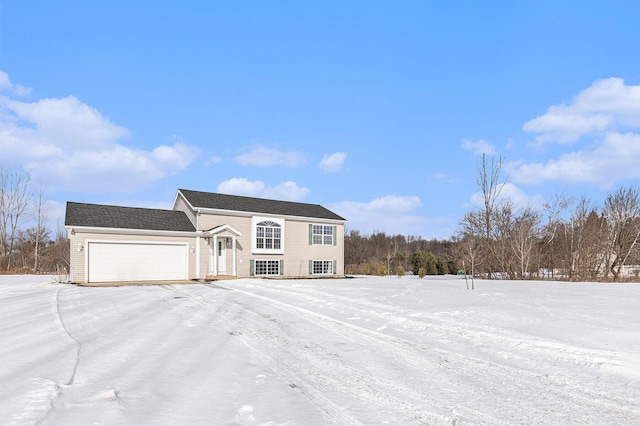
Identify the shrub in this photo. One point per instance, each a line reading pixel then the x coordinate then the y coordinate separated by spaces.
pixel 382 269
pixel 422 272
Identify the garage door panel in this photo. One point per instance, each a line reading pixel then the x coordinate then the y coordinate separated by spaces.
pixel 117 261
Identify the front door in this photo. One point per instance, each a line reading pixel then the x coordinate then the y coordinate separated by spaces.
pixel 222 256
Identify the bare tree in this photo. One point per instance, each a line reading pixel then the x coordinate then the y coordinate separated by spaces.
pixel 489 183
pixel 470 250
pixel 622 212
pixel 524 235
pixel 14 200
pixel 40 214
pixel 583 248
pixel 550 244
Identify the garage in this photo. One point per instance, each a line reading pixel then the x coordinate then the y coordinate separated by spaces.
pixel 136 261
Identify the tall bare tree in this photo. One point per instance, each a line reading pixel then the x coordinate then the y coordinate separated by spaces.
pixel 490 183
pixel 14 200
pixel 40 214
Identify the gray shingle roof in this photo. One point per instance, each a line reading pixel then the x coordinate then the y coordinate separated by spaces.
pixel 210 200
pixel 101 216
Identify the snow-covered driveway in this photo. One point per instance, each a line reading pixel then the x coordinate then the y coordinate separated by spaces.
pixel 312 352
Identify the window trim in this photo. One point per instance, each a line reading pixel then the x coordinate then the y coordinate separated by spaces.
pixel 255 220
pixel 279 267
pixel 320 238
pixel 331 270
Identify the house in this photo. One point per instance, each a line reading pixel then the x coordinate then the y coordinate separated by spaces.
pixel 205 236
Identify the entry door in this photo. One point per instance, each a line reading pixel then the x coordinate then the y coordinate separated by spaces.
pixel 222 256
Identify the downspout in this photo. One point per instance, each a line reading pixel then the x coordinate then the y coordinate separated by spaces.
pixel 198 257
pixel 70 234
pixel 214 261
pixel 233 251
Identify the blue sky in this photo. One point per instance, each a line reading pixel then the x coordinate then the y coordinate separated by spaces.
pixel 377 110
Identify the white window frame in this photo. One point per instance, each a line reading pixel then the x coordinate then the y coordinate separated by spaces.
pixel 325 267
pixel 322 235
pixel 255 220
pixel 268 267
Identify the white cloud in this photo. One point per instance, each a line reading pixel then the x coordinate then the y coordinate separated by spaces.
pixel 478 147
pixel 390 214
pixel 73 146
pixel 616 158
pixel 241 186
pixel 266 157
pixel 603 106
pixel 288 190
pixel 603 117
pixel 394 204
pixel 332 163
pixel 7 86
pixel 175 157
pixel 66 120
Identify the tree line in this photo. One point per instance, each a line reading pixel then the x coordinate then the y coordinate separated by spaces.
pixel 566 238
pixel 27 244
pixel 382 254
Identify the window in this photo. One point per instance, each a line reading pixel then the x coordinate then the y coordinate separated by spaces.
pixel 268 236
pixel 267 267
pixel 322 235
pixel 319 267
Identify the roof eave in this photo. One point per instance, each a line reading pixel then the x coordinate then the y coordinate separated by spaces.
pixel 99 230
pixel 243 213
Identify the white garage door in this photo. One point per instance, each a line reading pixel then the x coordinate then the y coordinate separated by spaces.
pixel 118 261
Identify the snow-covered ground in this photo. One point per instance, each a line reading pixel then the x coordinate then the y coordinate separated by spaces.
pixel 356 351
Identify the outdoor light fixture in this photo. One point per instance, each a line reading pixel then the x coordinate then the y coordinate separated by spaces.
pixel 80 247
pixel 193 249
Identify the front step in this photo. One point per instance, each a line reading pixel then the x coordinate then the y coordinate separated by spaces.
pixel 220 277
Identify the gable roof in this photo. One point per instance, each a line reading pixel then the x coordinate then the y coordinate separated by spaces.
pixel 208 200
pixel 101 216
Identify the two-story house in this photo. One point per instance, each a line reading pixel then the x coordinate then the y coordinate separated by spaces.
pixel 205 236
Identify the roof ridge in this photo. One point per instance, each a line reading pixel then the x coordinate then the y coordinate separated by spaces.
pixel 242 203
pixel 249 197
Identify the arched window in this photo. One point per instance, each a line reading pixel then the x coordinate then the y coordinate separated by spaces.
pixel 268 235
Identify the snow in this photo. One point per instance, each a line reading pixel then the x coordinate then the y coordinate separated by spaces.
pixel 359 351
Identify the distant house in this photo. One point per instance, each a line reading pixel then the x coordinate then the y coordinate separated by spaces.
pixel 205 236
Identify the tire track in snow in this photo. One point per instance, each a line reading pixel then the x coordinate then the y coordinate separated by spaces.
pixel 265 348
pixel 391 394
pixel 547 395
pixel 470 332
pixel 66 330
pixel 410 400
pixel 55 396
pixel 523 349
